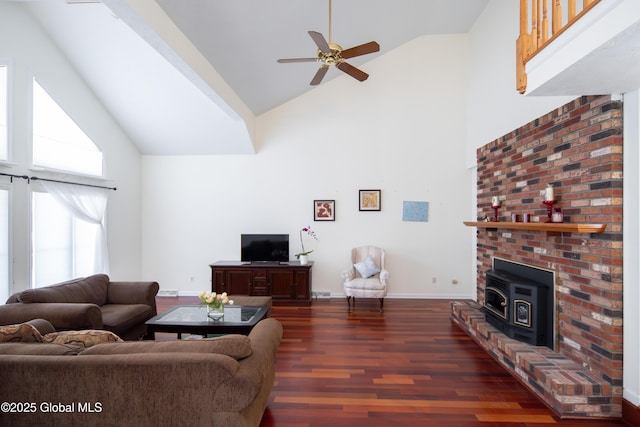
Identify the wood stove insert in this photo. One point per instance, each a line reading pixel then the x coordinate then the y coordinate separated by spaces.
pixel 519 301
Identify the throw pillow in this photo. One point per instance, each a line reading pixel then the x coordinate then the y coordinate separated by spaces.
pixel 42 325
pixel 86 338
pixel 22 332
pixel 367 268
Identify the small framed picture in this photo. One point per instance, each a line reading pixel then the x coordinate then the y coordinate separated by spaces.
pixel 370 200
pixel 324 210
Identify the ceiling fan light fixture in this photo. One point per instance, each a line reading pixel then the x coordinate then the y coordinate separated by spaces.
pixel 330 53
pixel 330 58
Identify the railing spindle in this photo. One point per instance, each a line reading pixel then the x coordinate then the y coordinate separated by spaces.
pixel 534 24
pixel 522 47
pixel 556 17
pixel 571 9
pixel 545 22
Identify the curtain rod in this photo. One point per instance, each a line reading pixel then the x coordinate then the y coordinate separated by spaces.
pixel 35 178
pixel 14 176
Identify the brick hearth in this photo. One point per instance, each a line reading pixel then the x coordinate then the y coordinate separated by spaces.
pixel 576 148
pixel 566 387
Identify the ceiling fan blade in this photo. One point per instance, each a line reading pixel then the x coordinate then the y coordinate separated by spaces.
pixel 362 49
pixel 319 75
pixel 320 41
pixel 283 61
pixel 352 71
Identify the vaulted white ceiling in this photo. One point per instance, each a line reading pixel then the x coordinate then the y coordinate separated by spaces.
pixel 243 39
pixel 190 76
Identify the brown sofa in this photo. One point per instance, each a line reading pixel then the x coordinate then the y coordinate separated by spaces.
pixel 92 302
pixel 223 381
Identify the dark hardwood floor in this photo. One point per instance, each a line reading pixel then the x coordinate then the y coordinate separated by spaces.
pixel 409 366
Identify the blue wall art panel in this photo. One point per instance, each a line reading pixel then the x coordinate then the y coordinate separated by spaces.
pixel 415 211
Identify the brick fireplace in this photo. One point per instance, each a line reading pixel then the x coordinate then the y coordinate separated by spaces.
pixel 576 148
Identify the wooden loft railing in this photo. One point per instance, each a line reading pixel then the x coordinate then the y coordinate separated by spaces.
pixel 539 31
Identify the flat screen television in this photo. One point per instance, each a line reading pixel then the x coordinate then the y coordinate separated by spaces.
pixel 265 248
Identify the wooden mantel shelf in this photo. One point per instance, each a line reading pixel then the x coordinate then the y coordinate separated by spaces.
pixel 541 226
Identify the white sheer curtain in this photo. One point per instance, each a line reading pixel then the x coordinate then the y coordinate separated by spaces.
pixel 88 204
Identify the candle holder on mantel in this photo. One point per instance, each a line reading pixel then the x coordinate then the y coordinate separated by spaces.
pixel 549 204
pixel 495 204
pixel 549 200
pixel 495 209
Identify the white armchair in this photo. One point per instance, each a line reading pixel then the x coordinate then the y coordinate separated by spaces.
pixel 367 277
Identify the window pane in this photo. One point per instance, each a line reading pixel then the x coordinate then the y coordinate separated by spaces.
pixel 4 245
pixel 58 142
pixel 63 246
pixel 51 241
pixel 4 100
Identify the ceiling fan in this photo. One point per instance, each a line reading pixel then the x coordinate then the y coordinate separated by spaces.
pixel 332 54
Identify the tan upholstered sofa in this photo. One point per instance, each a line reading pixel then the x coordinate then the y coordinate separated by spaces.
pixel 92 302
pixel 223 381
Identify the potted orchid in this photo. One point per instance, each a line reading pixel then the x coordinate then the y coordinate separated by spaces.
pixel 215 303
pixel 303 256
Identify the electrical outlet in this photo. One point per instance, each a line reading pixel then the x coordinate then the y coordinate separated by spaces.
pixel 434 280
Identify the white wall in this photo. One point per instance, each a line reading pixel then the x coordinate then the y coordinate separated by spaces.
pixel 402 131
pixel 495 107
pixel 30 53
pixel 631 248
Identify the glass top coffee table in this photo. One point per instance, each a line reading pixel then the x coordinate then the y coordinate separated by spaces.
pixel 193 319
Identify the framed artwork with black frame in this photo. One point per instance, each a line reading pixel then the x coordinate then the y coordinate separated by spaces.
pixel 324 210
pixel 369 200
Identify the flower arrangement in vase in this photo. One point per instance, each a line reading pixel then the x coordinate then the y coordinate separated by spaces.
pixel 303 256
pixel 215 303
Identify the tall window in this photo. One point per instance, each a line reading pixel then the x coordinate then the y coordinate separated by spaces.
pixel 4 119
pixel 4 245
pixel 58 142
pixel 69 239
pixel 64 246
